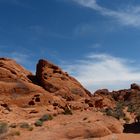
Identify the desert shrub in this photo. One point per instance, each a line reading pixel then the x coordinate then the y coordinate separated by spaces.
pixel 120 105
pixel 30 128
pixel 67 111
pixel 131 108
pixel 15 133
pixel 119 113
pixel 38 123
pixel 108 111
pixel 3 127
pixel 24 125
pixel 116 113
pixel 46 117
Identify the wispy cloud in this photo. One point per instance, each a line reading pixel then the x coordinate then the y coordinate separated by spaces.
pixel 20 58
pixel 104 71
pixel 129 16
pixel 24 57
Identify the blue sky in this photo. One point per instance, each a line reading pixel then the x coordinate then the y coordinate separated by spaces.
pixel 97 41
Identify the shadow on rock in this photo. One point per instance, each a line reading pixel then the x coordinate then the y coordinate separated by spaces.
pixel 132 128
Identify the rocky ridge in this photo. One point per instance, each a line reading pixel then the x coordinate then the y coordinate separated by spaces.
pixel 26 97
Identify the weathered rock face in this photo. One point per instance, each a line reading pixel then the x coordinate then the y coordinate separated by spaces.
pixel 10 71
pixel 54 80
pixel 24 96
pixel 17 88
pixel 103 99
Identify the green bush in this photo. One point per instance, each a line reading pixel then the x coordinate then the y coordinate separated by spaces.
pixel 116 113
pixel 131 109
pixel 3 127
pixel 120 105
pixel 109 111
pixel 46 117
pixel 38 123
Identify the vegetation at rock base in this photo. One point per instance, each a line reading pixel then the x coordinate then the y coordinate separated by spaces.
pixel 3 127
pixel 116 113
pixel 46 117
pixel 131 108
pixel 67 111
pixel 15 133
pixel 30 128
pixel 24 125
pixel 38 123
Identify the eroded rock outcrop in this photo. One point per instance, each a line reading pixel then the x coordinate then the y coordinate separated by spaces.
pixel 10 71
pixel 54 80
pixel 17 87
pixel 24 96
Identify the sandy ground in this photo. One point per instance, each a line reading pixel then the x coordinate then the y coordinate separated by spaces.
pixel 122 136
pixel 110 137
pixel 57 128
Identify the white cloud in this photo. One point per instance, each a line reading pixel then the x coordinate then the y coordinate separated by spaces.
pixel 20 58
pixel 128 16
pixel 104 71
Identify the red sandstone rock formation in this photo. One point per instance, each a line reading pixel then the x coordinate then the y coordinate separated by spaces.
pixel 54 80
pixel 26 97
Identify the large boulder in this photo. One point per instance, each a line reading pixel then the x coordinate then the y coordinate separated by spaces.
pixel 54 80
